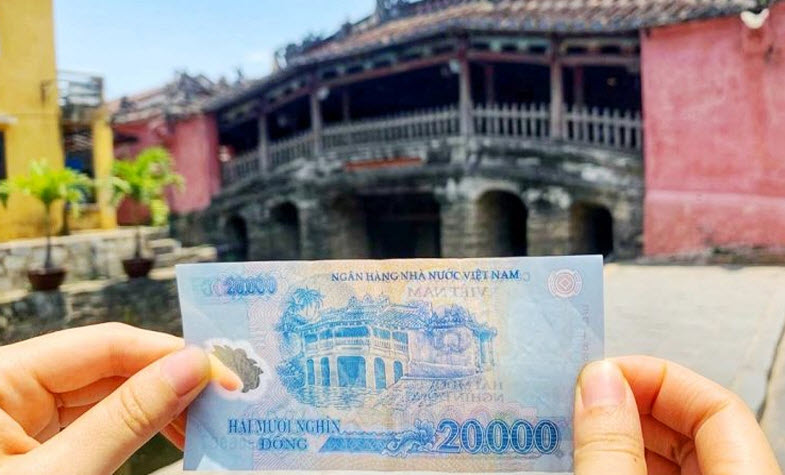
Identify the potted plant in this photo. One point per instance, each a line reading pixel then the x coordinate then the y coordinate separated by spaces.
pixel 144 180
pixel 48 185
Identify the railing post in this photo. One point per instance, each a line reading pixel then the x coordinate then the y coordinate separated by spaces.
pixel 557 92
pixel 263 156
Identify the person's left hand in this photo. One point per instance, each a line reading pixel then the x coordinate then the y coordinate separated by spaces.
pixel 83 400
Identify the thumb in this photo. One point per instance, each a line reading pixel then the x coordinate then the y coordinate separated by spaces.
pixel 109 433
pixel 607 431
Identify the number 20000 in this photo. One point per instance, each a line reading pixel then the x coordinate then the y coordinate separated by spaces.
pixel 498 436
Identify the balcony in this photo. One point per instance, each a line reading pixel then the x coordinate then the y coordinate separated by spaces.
pixel 79 95
pixel 355 141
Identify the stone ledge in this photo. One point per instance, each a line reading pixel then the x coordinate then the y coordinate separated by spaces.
pixel 149 303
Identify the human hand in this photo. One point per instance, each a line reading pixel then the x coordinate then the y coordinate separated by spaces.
pixel 84 400
pixel 637 413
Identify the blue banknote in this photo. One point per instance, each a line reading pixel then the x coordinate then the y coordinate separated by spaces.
pixel 446 365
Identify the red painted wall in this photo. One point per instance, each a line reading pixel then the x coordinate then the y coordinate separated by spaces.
pixel 193 142
pixel 714 106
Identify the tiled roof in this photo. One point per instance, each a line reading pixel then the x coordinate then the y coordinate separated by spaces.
pixel 185 95
pixel 538 16
pixel 424 18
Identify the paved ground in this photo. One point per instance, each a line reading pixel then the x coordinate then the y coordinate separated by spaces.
pixel 725 323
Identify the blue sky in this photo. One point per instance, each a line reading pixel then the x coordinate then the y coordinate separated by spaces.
pixel 138 44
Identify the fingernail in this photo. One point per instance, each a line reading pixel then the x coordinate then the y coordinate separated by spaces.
pixel 602 384
pixel 185 369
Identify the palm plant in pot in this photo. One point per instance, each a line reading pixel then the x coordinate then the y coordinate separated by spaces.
pixel 48 185
pixel 144 180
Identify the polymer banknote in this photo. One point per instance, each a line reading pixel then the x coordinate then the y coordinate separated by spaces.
pixel 451 365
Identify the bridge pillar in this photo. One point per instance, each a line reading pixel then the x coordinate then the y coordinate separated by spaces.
pixel 347 235
pixel 548 229
pixel 627 225
pixel 313 230
pixel 458 229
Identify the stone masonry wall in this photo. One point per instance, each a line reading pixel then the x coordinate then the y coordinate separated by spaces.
pixel 149 303
pixel 86 256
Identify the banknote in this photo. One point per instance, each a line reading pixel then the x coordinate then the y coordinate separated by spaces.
pixel 453 365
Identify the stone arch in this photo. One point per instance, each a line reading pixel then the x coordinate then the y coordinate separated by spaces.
pixel 501 224
pixel 591 229
pixel 285 231
pixel 403 225
pixel 236 232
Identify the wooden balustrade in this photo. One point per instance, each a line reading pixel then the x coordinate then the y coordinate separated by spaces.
pixel 284 151
pixel 512 120
pixel 409 126
pixel 241 166
pixel 600 127
pixel 606 127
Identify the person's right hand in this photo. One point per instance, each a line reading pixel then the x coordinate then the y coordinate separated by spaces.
pixel 637 413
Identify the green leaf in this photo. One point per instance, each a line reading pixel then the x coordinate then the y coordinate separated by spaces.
pixel 49 185
pixel 145 179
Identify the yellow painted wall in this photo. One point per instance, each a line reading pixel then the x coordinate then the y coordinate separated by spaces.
pixel 102 215
pixel 28 100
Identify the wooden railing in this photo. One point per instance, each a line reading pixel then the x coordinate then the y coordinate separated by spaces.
pixel 512 120
pixel 292 148
pixel 616 129
pixel 409 126
pixel 607 127
pixel 241 166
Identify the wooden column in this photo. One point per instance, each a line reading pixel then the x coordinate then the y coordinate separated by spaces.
pixel 557 94
pixel 577 86
pixel 264 159
pixel 490 87
pixel 345 105
pixel 465 93
pixel 316 124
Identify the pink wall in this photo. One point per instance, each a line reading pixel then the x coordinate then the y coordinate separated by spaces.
pixel 193 142
pixel 194 145
pixel 714 105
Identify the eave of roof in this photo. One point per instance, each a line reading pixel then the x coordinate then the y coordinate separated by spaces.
pixel 578 17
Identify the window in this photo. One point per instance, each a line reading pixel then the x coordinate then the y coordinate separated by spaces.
pixel 3 174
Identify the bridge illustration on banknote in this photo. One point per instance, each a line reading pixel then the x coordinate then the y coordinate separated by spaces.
pixel 353 355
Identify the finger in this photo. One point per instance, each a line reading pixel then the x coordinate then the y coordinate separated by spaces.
pixel 727 436
pixel 68 415
pixel 607 427
pixel 13 438
pixel 223 375
pixel 659 465
pixel 174 436
pixel 666 442
pixel 117 426
pixel 70 359
pixel 180 422
pixel 49 431
pixel 92 393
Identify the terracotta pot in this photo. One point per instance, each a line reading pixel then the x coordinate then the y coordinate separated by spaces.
pixel 135 268
pixel 46 279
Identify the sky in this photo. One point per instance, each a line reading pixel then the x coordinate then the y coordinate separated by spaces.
pixel 139 44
